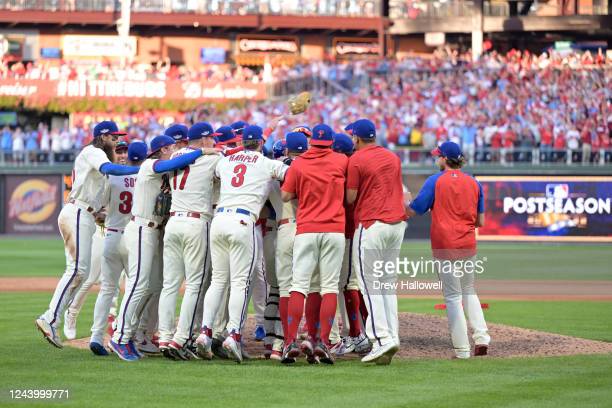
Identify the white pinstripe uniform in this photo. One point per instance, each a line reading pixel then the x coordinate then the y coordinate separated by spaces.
pixel 77 226
pixel 186 245
pixel 245 186
pixel 119 195
pixel 144 275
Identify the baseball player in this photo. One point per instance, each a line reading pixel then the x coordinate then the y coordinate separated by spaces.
pixel 245 182
pixel 186 242
pixel 142 240
pixel 296 144
pixel 354 340
pixel 374 185
pixel 179 133
pixel 456 202
pixel 118 199
pixel 77 223
pixel 317 180
pixel 97 247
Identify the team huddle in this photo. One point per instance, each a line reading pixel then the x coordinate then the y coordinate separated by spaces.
pixel 289 231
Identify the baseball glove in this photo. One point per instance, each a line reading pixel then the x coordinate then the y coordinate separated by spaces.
pixel 163 202
pixel 299 103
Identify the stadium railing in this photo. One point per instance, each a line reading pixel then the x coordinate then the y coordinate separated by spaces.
pixel 410 157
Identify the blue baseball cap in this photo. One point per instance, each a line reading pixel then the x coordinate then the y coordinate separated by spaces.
pixel 252 132
pixel 121 145
pixel 448 150
pixel 200 130
pixel 107 127
pixel 177 132
pixel 349 129
pixel 322 135
pixel 239 126
pixel 307 131
pixel 278 148
pixel 343 143
pixel 137 151
pixel 160 141
pixel 296 142
pixel 363 128
pixel 226 135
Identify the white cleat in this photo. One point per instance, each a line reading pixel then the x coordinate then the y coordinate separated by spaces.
pixel 70 321
pixel 204 347
pixel 462 355
pixel 146 346
pixel 233 348
pixel 381 354
pixel 49 332
pixel 361 344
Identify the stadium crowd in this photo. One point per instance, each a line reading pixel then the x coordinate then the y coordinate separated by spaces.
pixel 500 108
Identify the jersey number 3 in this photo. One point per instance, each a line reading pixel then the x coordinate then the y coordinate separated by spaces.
pixel 125 207
pixel 239 172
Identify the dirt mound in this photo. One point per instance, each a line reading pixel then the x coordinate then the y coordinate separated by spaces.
pixel 426 336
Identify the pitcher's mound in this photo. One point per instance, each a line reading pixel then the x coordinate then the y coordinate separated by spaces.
pixel 426 336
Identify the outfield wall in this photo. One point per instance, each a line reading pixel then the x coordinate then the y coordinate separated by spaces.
pixel 559 206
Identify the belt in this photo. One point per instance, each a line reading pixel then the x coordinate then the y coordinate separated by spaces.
pixel 185 214
pixel 236 210
pixel 114 230
pixel 285 221
pixel 83 205
pixel 146 223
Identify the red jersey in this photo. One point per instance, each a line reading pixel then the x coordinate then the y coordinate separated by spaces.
pixel 376 174
pixel 317 178
pixel 455 199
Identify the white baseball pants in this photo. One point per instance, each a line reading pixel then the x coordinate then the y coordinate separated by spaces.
pixel 461 300
pixel 77 227
pixel 382 325
pixel 95 270
pixel 310 250
pixel 234 253
pixel 143 278
pixel 114 261
pixel 185 252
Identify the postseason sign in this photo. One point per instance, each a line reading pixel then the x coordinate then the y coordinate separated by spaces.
pixel 536 208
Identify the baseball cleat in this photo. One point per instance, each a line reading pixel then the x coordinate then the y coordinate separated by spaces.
pixel 146 346
pixel 232 347
pixel 465 355
pixel 217 348
pixel 175 352
pixel 122 351
pixel 191 352
pixel 98 349
pixel 322 352
pixel 387 350
pixel 260 333
pixel 290 353
pixel 481 350
pixel 307 349
pixel 70 325
pixel 276 355
pixel 361 344
pixel 48 332
pixel 203 346
pixel 339 349
pixel 267 351
pixel 134 350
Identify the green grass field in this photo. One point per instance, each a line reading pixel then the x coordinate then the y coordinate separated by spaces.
pixel 45 257
pixel 29 362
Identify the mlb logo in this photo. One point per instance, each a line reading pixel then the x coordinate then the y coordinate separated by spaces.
pixel 557 190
